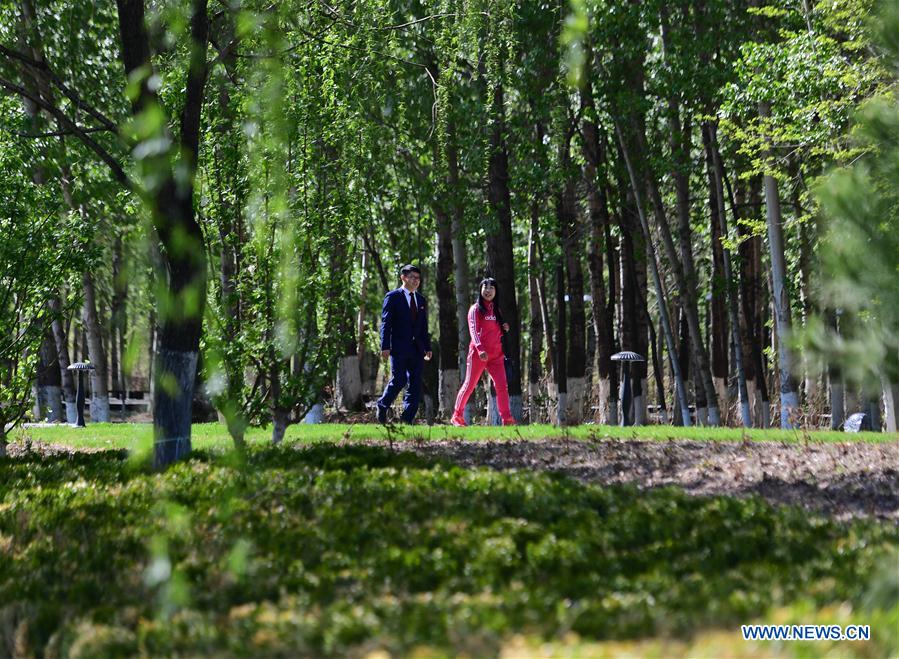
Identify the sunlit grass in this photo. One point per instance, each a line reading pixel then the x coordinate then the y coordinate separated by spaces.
pixel 208 435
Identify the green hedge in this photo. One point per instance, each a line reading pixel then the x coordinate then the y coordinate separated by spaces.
pixel 333 549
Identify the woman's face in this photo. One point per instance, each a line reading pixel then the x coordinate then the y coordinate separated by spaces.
pixel 488 292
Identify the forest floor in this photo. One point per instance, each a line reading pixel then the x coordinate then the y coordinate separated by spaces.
pixel 843 480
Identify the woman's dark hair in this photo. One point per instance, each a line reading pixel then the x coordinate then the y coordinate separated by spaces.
pixel 482 306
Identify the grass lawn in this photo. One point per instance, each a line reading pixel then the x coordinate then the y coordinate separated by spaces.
pixel 207 435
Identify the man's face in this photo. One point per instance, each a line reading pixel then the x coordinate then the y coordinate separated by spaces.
pixel 411 281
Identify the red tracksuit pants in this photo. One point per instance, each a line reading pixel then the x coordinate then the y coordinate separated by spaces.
pixel 496 366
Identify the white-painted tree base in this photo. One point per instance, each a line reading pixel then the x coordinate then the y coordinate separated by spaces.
pixel 71 412
pixel 316 414
pixel 516 405
pixel 493 417
pixel 172 405
pixel 100 409
pixel 49 403
pixel 448 384
pixel 714 416
pixel 349 384
pixel 574 402
pixel 602 414
pixel 640 410
pixel 890 398
pixel 535 414
pixel 279 426
pixel 837 405
pixel 702 416
pixel 561 406
pixel 789 409
pixel 723 395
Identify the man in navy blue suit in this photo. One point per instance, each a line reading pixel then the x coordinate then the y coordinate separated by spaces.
pixel 406 341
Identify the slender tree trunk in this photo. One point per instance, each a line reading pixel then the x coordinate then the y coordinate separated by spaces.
pixel 789 403
pixel 890 400
pixel 535 370
pixel 658 367
pixel 448 377
pixel 611 251
pixel 717 179
pixel 348 390
pixel 594 156
pixel 685 358
pixel 719 328
pixel 99 376
pixel 561 375
pixel 576 354
pixel 62 356
pixel 663 307
pixel 499 247
pixel 552 354
pixel 806 265
pixel 837 387
pixel 48 401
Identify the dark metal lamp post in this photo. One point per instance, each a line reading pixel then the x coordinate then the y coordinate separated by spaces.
pixel 81 367
pixel 626 357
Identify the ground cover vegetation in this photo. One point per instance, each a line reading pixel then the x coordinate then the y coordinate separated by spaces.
pixel 332 550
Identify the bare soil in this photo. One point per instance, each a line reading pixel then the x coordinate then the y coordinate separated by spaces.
pixel 842 481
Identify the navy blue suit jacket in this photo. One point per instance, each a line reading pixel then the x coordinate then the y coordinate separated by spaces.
pixel 397 330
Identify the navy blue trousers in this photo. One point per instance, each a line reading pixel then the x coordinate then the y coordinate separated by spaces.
pixel 403 371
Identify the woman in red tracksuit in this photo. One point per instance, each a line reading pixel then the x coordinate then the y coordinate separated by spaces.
pixel 485 323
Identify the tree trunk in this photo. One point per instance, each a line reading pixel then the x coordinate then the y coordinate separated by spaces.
pixel 535 370
pixel 719 284
pixel 594 156
pixel 806 296
pixel 561 375
pixel 48 401
pixel 62 356
pixel 717 179
pixel 890 400
pixel 348 390
pixel 500 259
pixel 789 403
pixel 576 354
pixel 447 322
pixel 172 211
pixel 837 387
pixel 99 404
pixel 658 367
pixel 650 252
pixel 611 304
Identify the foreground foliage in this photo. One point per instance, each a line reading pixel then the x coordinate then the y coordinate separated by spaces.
pixel 334 549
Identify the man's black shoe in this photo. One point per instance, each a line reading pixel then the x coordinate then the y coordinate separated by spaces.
pixel 382 414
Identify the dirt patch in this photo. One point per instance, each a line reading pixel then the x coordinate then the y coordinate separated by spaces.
pixel 45 450
pixel 843 481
